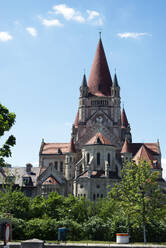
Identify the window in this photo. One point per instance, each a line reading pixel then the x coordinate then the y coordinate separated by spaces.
pixel 70 159
pixel 94 197
pixel 61 166
pixel 97 195
pixel 108 158
pixel 98 158
pixel 88 158
pixel 98 186
pixel 101 195
pixel 50 164
pixel 56 165
pixel 81 186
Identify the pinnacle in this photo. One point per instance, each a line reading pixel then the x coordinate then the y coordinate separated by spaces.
pixel 84 81
pixel 115 81
pixel 124 121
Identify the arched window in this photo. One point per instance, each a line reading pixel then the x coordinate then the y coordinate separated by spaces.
pixel 98 158
pixel 56 165
pixel 61 166
pixel 108 158
pixel 88 158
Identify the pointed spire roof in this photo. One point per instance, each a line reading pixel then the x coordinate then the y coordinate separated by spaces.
pixel 72 146
pixel 100 81
pixel 143 154
pixel 84 81
pixel 76 120
pixel 124 121
pixel 115 81
pixel 125 147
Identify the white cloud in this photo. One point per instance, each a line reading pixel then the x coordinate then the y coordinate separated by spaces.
pixel 132 35
pixel 92 14
pixel 5 36
pixel 163 163
pixel 68 13
pixel 32 31
pixel 52 22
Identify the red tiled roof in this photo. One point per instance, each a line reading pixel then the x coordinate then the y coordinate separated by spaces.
pixel 153 147
pixel 98 139
pixel 124 121
pixel 76 120
pixel 125 147
pixel 143 154
pixel 134 148
pixel 100 81
pixel 52 148
pixel 50 180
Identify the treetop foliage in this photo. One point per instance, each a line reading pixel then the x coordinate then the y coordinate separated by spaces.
pixel 7 120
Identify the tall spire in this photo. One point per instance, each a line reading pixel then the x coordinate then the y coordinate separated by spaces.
pixel 124 121
pixel 100 81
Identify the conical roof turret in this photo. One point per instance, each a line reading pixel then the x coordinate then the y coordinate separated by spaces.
pixel 100 81
pixel 84 81
pixel 84 87
pixel 124 121
pixel 115 81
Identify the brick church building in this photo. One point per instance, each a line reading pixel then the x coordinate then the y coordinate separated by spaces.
pixel 101 141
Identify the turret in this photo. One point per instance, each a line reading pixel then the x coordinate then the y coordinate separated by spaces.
pixel 69 160
pixel 126 154
pixel 115 95
pixel 115 89
pixel 82 103
pixel 84 87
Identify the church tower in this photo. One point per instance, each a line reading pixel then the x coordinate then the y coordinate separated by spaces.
pixel 99 104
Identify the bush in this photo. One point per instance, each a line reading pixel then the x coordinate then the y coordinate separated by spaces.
pixel 18 229
pixel 41 229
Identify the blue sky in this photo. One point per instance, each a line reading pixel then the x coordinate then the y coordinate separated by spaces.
pixel 45 45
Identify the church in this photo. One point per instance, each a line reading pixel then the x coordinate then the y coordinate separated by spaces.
pixel 101 141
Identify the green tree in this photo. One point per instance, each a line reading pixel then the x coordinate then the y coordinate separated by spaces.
pixel 139 194
pixel 15 204
pixel 7 119
pixel 37 207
